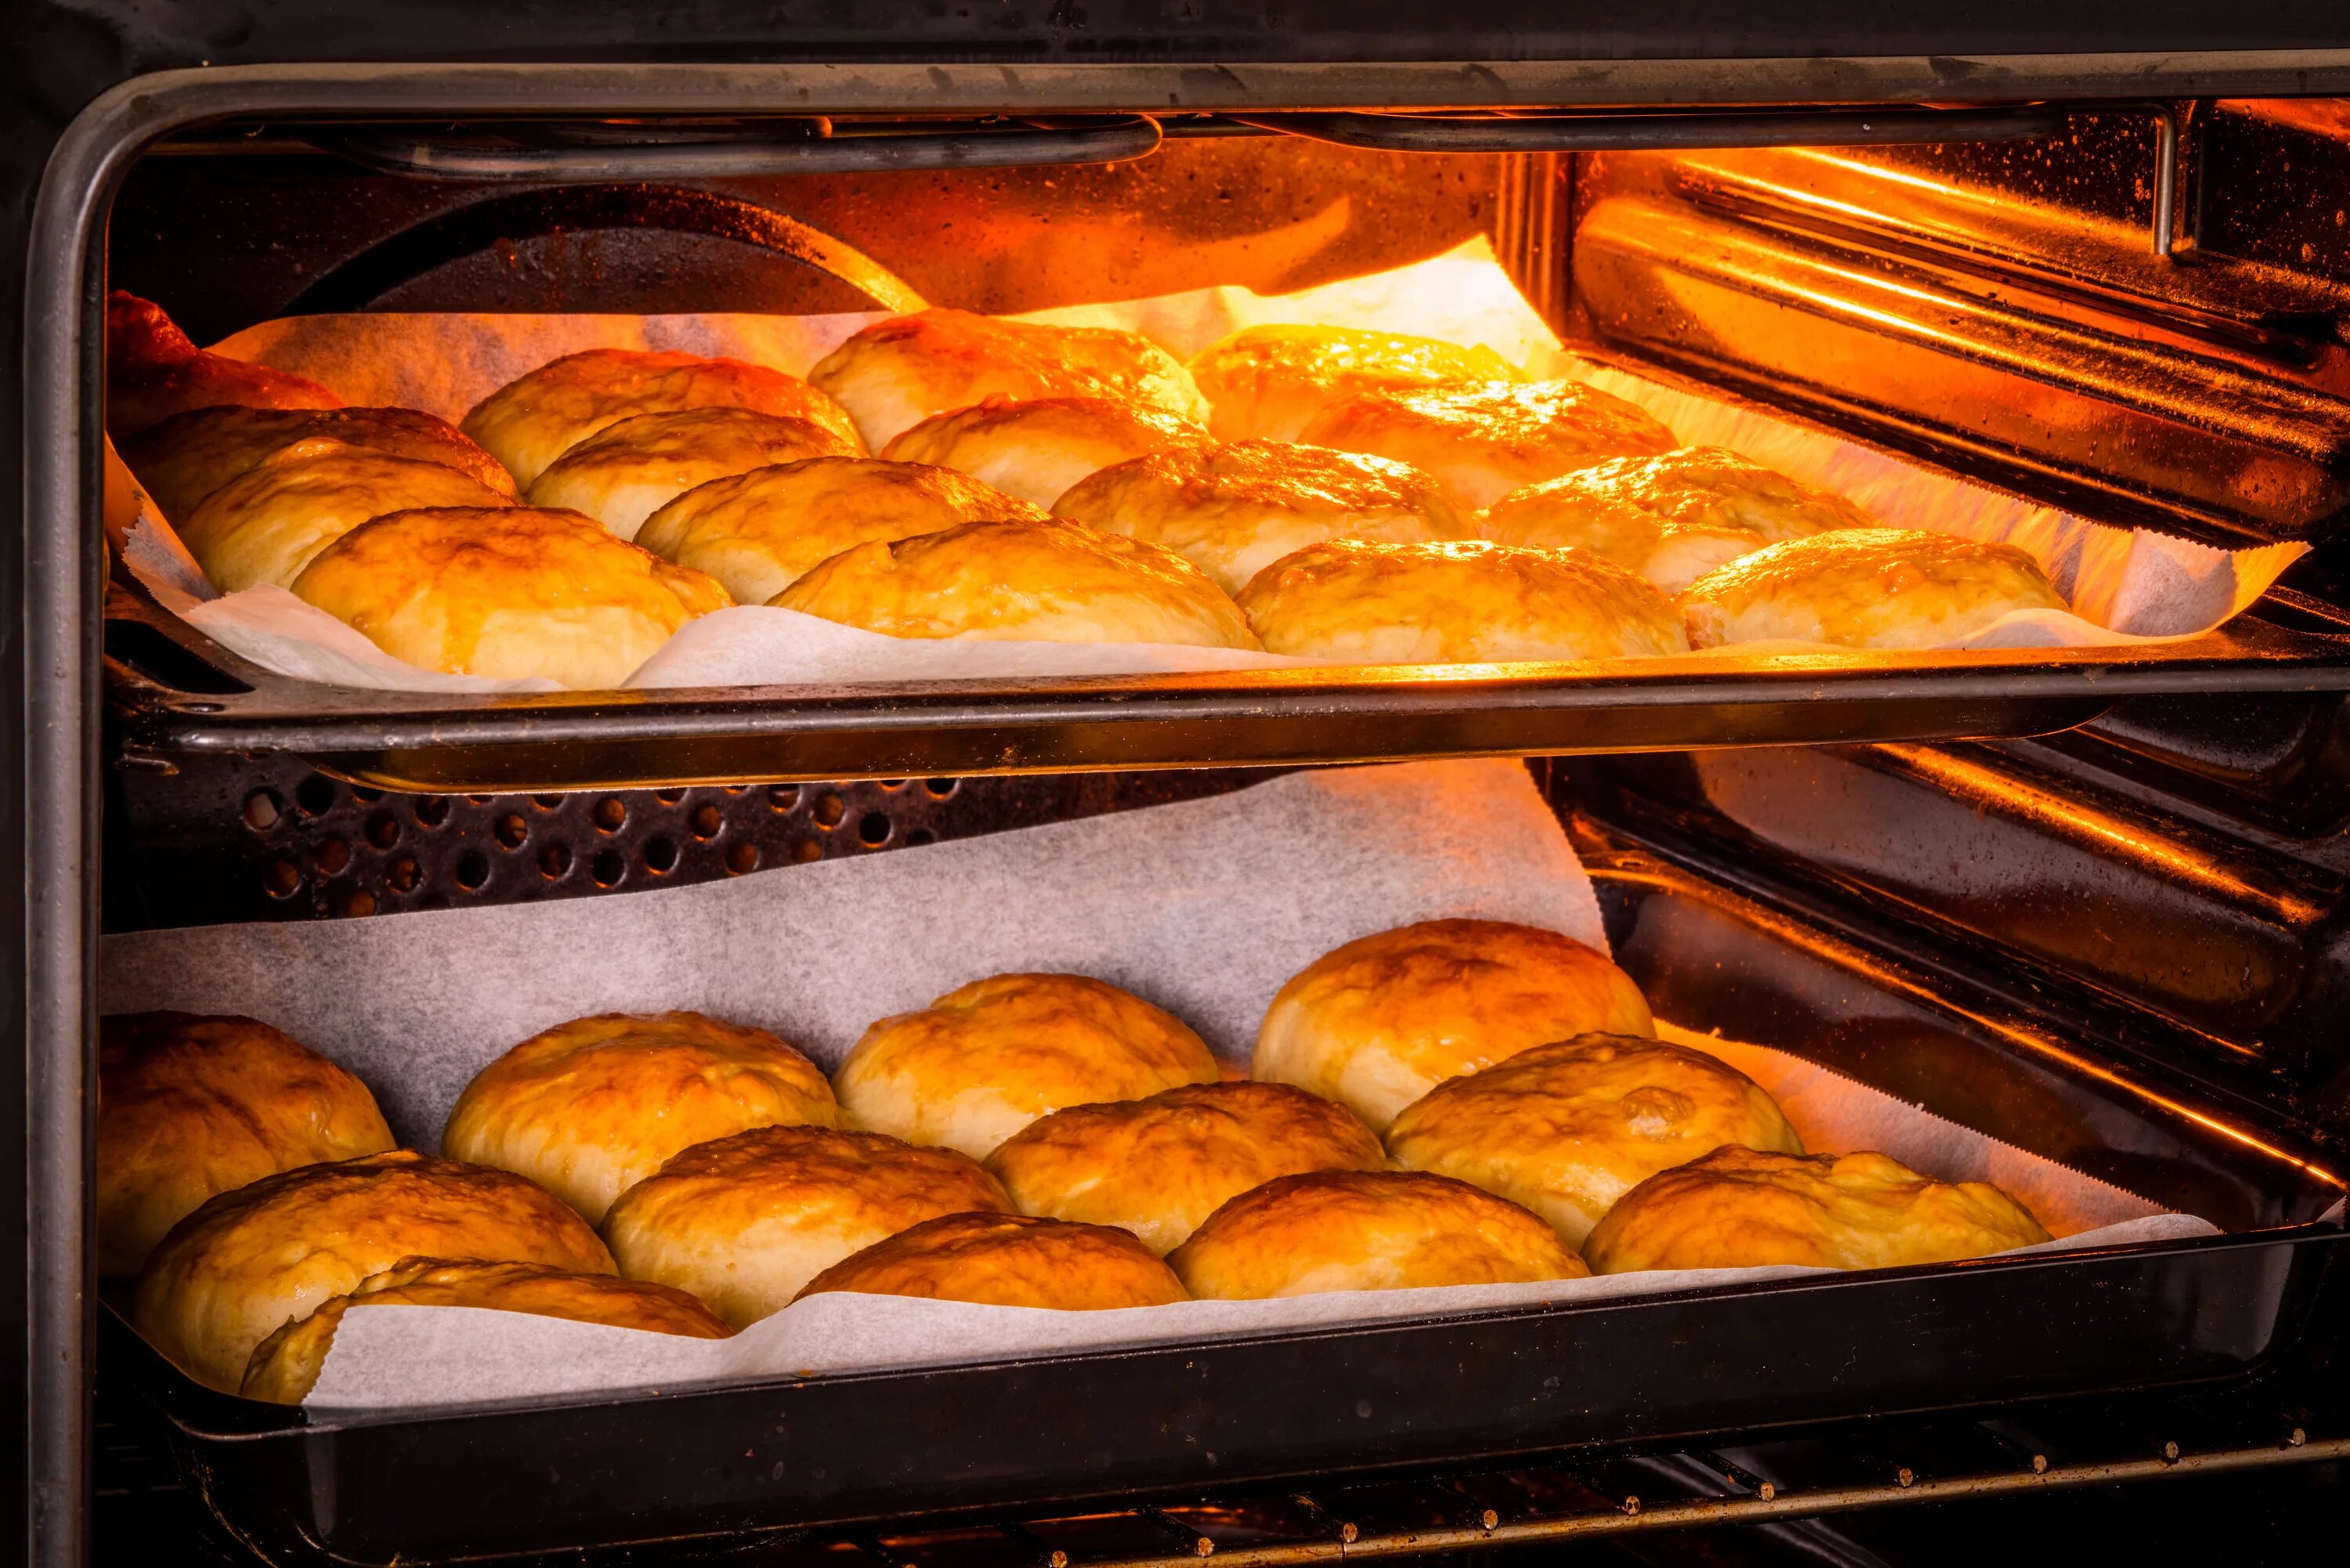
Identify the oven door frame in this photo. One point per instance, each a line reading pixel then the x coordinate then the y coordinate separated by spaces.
pixel 62 583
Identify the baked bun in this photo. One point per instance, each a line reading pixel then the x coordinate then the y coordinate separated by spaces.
pixel 1480 439
pixel 191 1108
pixel 896 373
pixel 1713 487
pixel 1567 1128
pixel 152 372
pixel 1562 515
pixel 1159 1166
pixel 1272 381
pixel 1864 587
pixel 1035 449
pixel 744 1222
pixel 1468 602
pixel 1376 1024
pixel 250 1260
pixel 1008 1259
pixel 1740 1208
pixel 629 470
pixel 988 1058
pixel 1234 510
pixel 271 521
pixel 181 460
pixel 589 1108
pixel 1039 581
pixel 536 418
pixel 286 1366
pixel 1367 1230
pixel 524 591
pixel 759 532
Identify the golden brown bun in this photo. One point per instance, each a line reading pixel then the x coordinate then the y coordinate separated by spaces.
pixel 1864 587
pixel 250 1260
pixel 1739 1208
pixel 1035 449
pixel 1272 381
pixel 1480 439
pixel 1008 1259
pixel 181 460
pixel 1158 1167
pixel 589 1108
pixel 629 470
pixel 536 418
pixel 286 1366
pixel 1376 1024
pixel 152 372
pixel 986 1059
pixel 1713 487
pixel 191 1108
pixel 1232 511
pixel 896 373
pixel 745 1222
pixel 271 521
pixel 759 532
pixel 1569 1127
pixel 1040 580
pixel 1367 1230
pixel 1561 514
pixel 1468 602
pixel 520 592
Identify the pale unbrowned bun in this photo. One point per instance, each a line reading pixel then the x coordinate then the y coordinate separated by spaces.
pixel 230 1273
pixel 1273 381
pixel 1740 1208
pixel 1713 487
pixel 589 1108
pixel 896 373
pixel 630 468
pixel 988 1058
pixel 285 1366
pixel 191 1108
pixel 1567 1128
pixel 1234 510
pixel 1161 1165
pixel 745 1222
pixel 1562 515
pixel 1367 1230
pixel 759 532
pixel 1035 449
pixel 536 418
pixel 181 460
pixel 153 371
pixel 1379 1022
pixel 524 591
pixel 1039 580
pixel 1008 1259
pixel 1467 602
pixel 1480 439
pixel 271 521
pixel 1864 587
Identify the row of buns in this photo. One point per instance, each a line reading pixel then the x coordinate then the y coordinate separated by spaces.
pixel 1451 1103
pixel 1318 492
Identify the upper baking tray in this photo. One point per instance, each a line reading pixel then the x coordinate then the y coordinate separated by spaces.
pixel 173 692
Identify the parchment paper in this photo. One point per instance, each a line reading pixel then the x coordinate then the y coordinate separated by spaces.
pixel 1204 907
pixel 2124 584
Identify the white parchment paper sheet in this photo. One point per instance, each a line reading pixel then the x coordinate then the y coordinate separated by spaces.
pixel 1205 908
pixel 2124 584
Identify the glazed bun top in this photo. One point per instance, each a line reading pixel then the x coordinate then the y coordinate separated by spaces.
pixel 1865 588
pixel 1008 1259
pixel 181 460
pixel 1271 382
pixel 1480 439
pixel 153 371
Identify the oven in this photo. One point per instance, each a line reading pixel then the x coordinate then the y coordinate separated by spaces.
pixel 2093 898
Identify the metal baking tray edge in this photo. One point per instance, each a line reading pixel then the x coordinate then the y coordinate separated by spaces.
pixel 173 692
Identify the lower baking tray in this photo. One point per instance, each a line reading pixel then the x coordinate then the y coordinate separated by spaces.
pixel 1167 1421
pixel 173 693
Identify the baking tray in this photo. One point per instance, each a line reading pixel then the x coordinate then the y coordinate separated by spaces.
pixel 173 693
pixel 1169 1421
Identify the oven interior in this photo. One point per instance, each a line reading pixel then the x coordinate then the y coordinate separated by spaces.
pixel 2138 311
